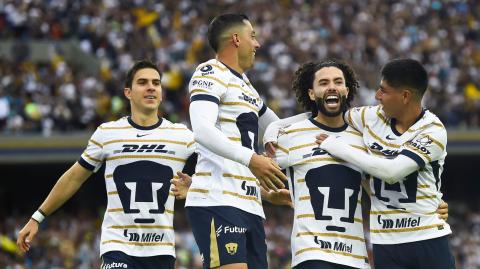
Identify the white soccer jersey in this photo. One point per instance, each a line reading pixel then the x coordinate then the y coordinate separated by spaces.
pixel 219 181
pixel 139 164
pixel 405 211
pixel 326 193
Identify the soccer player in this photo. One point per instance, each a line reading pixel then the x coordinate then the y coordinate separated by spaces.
pixel 327 227
pixel 406 152
pixel 142 153
pixel 224 204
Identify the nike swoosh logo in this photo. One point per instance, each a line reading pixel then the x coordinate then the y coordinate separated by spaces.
pixel 139 135
pixel 389 138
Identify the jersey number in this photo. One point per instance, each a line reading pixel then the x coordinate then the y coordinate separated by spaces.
pixel 334 191
pixel 143 187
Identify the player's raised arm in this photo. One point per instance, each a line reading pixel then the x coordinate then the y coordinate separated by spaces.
pixel 67 185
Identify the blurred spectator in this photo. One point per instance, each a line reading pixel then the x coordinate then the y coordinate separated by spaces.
pixel 443 35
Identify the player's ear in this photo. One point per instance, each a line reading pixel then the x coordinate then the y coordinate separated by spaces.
pixel 348 90
pixel 407 96
pixel 235 40
pixel 127 92
pixel 311 94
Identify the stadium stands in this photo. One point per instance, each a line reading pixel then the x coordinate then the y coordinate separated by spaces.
pixel 55 92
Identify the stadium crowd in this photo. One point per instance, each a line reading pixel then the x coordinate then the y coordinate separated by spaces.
pixel 72 240
pixel 59 96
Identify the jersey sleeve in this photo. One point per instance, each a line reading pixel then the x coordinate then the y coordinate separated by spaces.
pixel 355 117
pixel 282 150
pixel 93 157
pixel 428 146
pixel 208 83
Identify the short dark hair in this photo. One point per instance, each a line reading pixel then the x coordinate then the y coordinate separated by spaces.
pixel 220 24
pixel 137 66
pixel 406 73
pixel 305 76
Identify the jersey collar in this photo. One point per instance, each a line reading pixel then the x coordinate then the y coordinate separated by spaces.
pixel 394 121
pixel 327 128
pixel 233 71
pixel 151 127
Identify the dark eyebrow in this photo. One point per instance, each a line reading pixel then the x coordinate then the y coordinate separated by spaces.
pixel 326 79
pixel 155 79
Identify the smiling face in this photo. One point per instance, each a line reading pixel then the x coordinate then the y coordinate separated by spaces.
pixel 392 100
pixel 145 94
pixel 329 91
pixel 247 46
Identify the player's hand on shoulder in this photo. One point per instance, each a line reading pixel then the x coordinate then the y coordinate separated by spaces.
pixel 267 172
pixel 181 185
pixel 25 236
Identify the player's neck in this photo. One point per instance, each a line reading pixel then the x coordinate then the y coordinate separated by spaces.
pixel 408 118
pixel 333 122
pixel 145 119
pixel 230 58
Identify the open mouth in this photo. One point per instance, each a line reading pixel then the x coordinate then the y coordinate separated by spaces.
pixel 332 101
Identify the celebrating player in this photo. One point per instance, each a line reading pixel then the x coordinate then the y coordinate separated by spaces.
pixel 327 227
pixel 406 152
pixel 142 153
pixel 224 204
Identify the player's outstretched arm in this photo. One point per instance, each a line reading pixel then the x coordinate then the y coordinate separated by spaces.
pixel 67 185
pixel 388 170
pixel 181 185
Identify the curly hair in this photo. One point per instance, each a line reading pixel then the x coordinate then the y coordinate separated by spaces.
pixel 305 76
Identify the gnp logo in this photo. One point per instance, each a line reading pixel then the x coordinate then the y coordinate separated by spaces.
pixel 114 265
pixel 398 223
pixel 231 248
pixel 143 188
pixel 202 84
